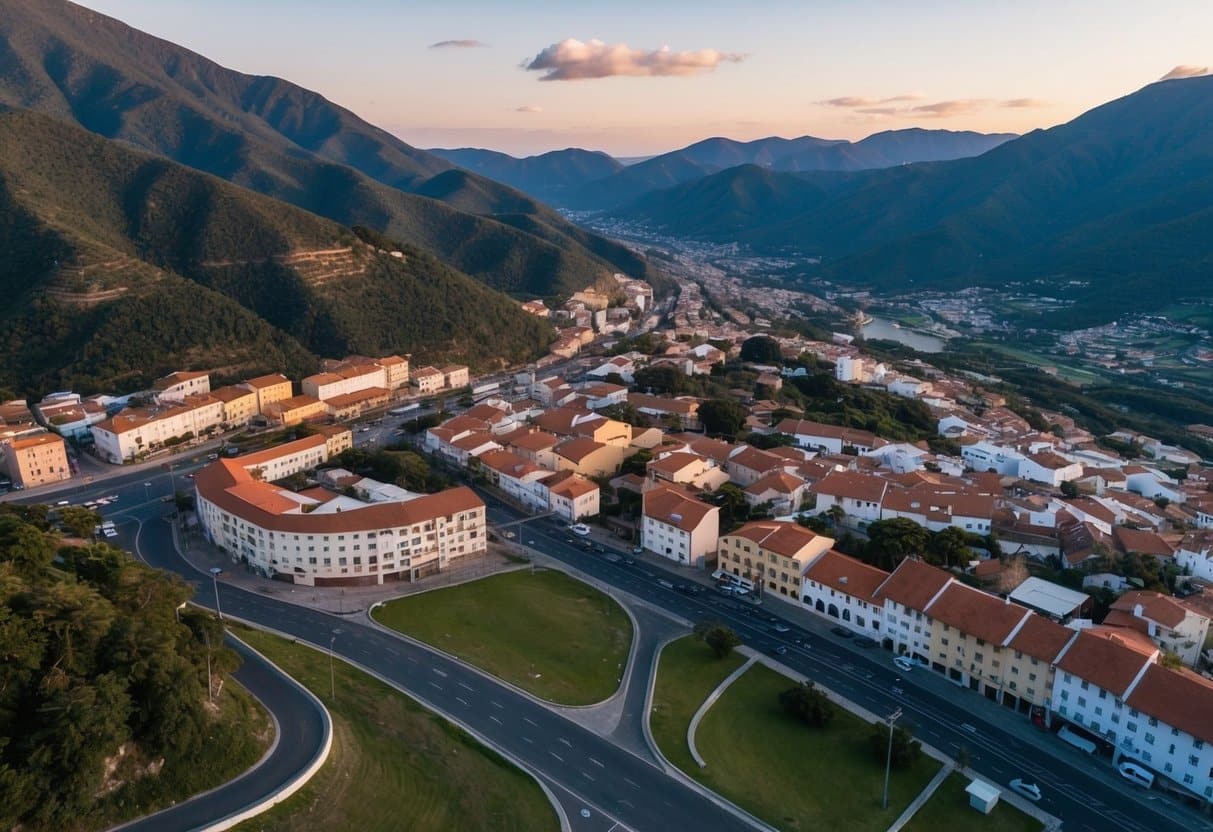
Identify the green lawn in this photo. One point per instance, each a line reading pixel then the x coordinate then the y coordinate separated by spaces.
pixel 792 776
pixel 686 673
pixel 395 765
pixel 948 811
pixel 545 632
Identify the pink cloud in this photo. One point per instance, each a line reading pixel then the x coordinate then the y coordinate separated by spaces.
pixel 458 44
pixel 1185 71
pixel 575 60
pixel 863 101
pixel 529 108
pixel 1025 103
pixel 947 109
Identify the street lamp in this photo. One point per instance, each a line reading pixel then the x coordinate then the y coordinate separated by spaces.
pixel 215 573
pixel 888 763
pixel 332 677
pixel 147 492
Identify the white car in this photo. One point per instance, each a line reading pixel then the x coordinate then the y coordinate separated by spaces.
pixel 580 529
pixel 904 663
pixel 1029 790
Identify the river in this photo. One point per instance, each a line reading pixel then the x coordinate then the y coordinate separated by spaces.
pixel 883 329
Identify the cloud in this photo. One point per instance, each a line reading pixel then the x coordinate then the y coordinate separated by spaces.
pixel 1025 103
pixel 947 109
pixel 862 101
pixel 574 60
pixel 529 108
pixel 879 111
pixel 1185 71
pixel 458 44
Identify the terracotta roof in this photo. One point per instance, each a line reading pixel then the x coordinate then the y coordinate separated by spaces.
pixel 1041 638
pixel 675 507
pixel 176 378
pixel 1155 606
pixel 536 440
pixel 358 396
pixel 1180 698
pixel 783 538
pixel 486 413
pixel 1095 509
pixel 1142 542
pixel 1050 460
pixel 681 406
pixel 1108 657
pixel 391 361
pixel 475 439
pixel 675 462
pixel 847 575
pixel 853 485
pixel 510 464
pixel 780 481
pixel 459 424
pixel 296 402
pixel 35 441
pixel 756 459
pixel 266 381
pixel 939 502
pixel 259 457
pixel 426 372
pixel 575 450
pixel 977 613
pixel 573 486
pixel 914 583
pixel 231 393
pixel 848 436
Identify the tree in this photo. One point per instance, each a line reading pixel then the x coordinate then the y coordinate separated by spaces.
pixel 721 639
pixel 808 703
pixel 79 521
pixel 949 547
pixel 636 463
pixel 722 417
pixel 1069 489
pixel 733 506
pixel 906 749
pixel 889 541
pixel 761 349
pixel 664 378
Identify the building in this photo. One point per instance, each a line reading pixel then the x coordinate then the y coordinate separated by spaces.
pixel 353 405
pixel 176 386
pixel 395 370
pixel 1049 468
pixel 269 389
pixel 1054 601
pixel 858 495
pixel 344 380
pixel 288 458
pixel 1195 554
pixel 845 589
pixel 783 491
pixel 572 497
pixel 35 459
pixel 239 405
pixel 679 527
pixel 684 409
pixel 587 457
pixel 909 590
pixel 455 376
pixel 519 478
pixel 337 438
pixel 317 539
pixel 136 432
pixel 771 555
pixel 427 380
pixel 295 409
pixel 1172 626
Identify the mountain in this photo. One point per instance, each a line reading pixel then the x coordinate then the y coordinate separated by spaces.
pixel 807 153
pixel 547 176
pixel 120 265
pixel 1111 210
pixel 283 141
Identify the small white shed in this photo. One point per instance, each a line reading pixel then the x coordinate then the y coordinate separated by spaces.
pixel 982 796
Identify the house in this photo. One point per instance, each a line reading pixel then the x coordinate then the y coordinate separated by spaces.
pixel 427 380
pixel 1195 554
pixel 1050 468
pixel 67 414
pixel 772 555
pixel 986 456
pixel 844 588
pixel 858 495
pixel 936 507
pixel 910 589
pixel 678 527
pixel 572 497
pixel 785 492
pixel 587 457
pixel 268 389
pixel 748 464
pixel 239 404
pixel 683 409
pixel 294 410
pixel 455 376
pixel 600 394
pixel 35 459
pixel 516 476
pixel 620 365
pixel 176 386
pixel 536 445
pixel 828 439
pixel 908 387
pixel 345 379
pixel 688 469
pixel 1141 542
pixel 1172 626
pixel 537 308
pixel 352 405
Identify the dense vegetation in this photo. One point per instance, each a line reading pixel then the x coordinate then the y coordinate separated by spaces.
pixel 891 417
pixel 124 266
pixel 104 708
pixel 278 139
pixel 1109 210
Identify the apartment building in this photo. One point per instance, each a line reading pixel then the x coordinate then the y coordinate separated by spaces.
pixel 772 554
pixel 679 527
pixel 344 380
pixel 829 439
pixel 295 409
pixel 858 495
pixel 35 459
pixel 137 431
pixel 845 589
pixel 239 404
pixel 909 590
pixel 517 477
pixel 427 380
pixel 268 389
pixel 176 386
pixel 288 458
pixel 1166 621
pixel 587 457
pixel 455 376
pixel 571 496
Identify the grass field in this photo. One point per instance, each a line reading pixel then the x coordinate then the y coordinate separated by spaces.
pixel 948 810
pixel 686 673
pixel 545 632
pixel 792 776
pixel 395 765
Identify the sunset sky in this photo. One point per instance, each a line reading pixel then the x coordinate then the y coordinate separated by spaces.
pixel 637 78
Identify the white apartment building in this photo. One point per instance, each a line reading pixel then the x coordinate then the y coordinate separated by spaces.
pixel 911 587
pixel 572 496
pixel 176 386
pixel 133 432
pixel 679 527
pixel 344 381
pixel 843 588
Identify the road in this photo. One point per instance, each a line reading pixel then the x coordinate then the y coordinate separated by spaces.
pixel 1072 792
pixel 610 782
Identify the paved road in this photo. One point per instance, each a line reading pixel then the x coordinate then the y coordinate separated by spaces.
pixel 1074 791
pixel 593 772
pixel 301 735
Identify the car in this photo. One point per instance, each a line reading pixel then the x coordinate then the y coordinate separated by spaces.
pixel 147 485
pixel 364 430
pixel 842 632
pixel 781 650
pixel 189 476
pixel 167 498
pixel 580 529
pixel 1136 773
pixel 780 628
pixel 569 541
pixel 667 584
pixel 212 456
pixel 637 550
pixel 62 503
pixel 1029 790
pixel 611 558
pixel 598 547
pixel 110 532
pixel 866 643
pixel 510 535
pixel 904 663
pixel 629 561
pixel 801 641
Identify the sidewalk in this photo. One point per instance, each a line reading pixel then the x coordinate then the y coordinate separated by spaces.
pixel 343 601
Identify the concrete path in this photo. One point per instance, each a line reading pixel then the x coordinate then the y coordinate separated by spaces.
pixel 708 703
pixel 922 798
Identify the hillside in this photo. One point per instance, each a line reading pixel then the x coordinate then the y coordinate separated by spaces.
pixel 121 265
pixel 806 153
pixel 548 176
pixel 281 140
pixel 1108 209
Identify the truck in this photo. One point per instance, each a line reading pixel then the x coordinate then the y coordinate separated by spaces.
pixel 403 409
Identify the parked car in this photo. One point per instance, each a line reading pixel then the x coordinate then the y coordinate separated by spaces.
pixel 598 547
pixel 1029 790
pixel 781 628
pixel 866 643
pixel 781 649
pixel 580 529
pixel 842 632
pixel 904 663
pixel 1136 773
pixel 637 550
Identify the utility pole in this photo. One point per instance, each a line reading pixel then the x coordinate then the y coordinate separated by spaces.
pixel 215 573
pixel 332 675
pixel 888 763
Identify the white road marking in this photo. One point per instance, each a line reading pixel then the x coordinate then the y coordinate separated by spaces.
pixel 496 704
pixel 441 673
pixel 530 722
pixel 566 742
pixel 435 684
pixel 495 719
pixel 557 756
pixel 587 777
pixel 528 740
pixel 461 700
pixel 466 686
pixel 595 762
pixel 632 783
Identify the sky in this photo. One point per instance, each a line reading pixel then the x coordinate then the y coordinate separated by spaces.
pixel 640 78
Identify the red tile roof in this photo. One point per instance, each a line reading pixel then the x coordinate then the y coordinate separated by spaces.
pixel 977 613
pixel 675 507
pixel 1108 657
pixel 846 574
pixel 914 583
pixel 1179 698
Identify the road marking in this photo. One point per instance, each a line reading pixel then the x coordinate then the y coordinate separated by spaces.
pixel 595 762
pixel 587 777
pixel 557 756
pixel 528 740
pixel 632 783
pixel 530 722
pixel 435 684
pixel 495 719
pixel 627 803
pixel 462 700
pixel 496 704
pixel 441 673
pixel 466 686
pixel 563 740
pixel 411 659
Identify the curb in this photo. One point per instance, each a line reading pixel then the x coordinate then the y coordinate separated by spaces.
pixel 565 826
pixel 708 702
